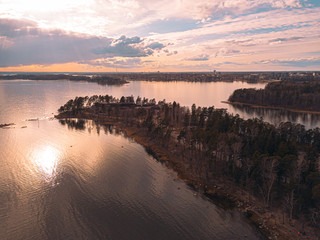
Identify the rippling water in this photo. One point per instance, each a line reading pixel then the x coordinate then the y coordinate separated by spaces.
pixel 31 99
pixel 58 182
pixel 61 183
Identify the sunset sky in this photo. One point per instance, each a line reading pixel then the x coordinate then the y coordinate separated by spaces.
pixel 168 35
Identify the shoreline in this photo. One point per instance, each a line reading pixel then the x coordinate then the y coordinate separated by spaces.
pixel 272 107
pixel 268 223
pixel 219 192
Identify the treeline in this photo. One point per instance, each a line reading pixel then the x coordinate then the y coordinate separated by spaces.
pixel 79 104
pixel 107 80
pixel 287 94
pixel 279 165
pixel 250 77
pixel 100 79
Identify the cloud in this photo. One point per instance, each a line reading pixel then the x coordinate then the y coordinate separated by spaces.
pixel 285 39
pixel 250 42
pixel 105 17
pixel 148 11
pixel 203 57
pixel 129 47
pixel 229 63
pixel 274 34
pixel 23 43
pixel 124 47
pixel 115 63
pixel 226 52
pixel 243 42
pixel 156 46
pixel 168 53
pixel 270 21
pixel 293 62
pixel 16 28
pixel 115 32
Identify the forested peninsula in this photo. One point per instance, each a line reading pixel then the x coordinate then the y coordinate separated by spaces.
pixel 100 79
pixel 294 96
pixel 270 173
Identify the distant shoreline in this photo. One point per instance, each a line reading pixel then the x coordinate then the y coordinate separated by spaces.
pixel 271 107
pixel 249 77
pixel 99 79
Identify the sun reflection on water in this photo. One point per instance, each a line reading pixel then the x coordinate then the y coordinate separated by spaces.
pixel 46 160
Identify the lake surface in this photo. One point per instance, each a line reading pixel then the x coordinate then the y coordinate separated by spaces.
pixel 59 182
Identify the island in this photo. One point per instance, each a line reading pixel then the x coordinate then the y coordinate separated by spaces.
pixel 288 95
pixel 4 125
pixel 100 79
pixel 270 173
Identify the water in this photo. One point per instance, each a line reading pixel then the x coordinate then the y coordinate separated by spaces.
pixel 22 100
pixel 58 182
pixel 35 99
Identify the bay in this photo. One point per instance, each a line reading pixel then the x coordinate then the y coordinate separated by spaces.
pixel 59 182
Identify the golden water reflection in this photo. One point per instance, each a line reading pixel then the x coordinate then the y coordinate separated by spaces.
pixel 46 159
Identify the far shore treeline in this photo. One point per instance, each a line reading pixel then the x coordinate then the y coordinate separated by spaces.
pixel 122 77
pixel 277 164
pixel 100 79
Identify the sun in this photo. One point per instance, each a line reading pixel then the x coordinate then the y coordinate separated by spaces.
pixel 46 160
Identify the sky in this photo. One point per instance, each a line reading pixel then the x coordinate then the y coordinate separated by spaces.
pixel 167 35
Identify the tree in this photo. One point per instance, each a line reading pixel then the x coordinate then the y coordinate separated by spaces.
pixel 193 116
pixel 138 101
pixel 268 172
pixel 186 121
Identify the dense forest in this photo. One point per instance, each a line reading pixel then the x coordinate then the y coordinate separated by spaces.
pixel 100 79
pixel 287 94
pixel 279 165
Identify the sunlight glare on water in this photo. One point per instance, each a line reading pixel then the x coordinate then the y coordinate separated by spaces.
pixel 45 159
